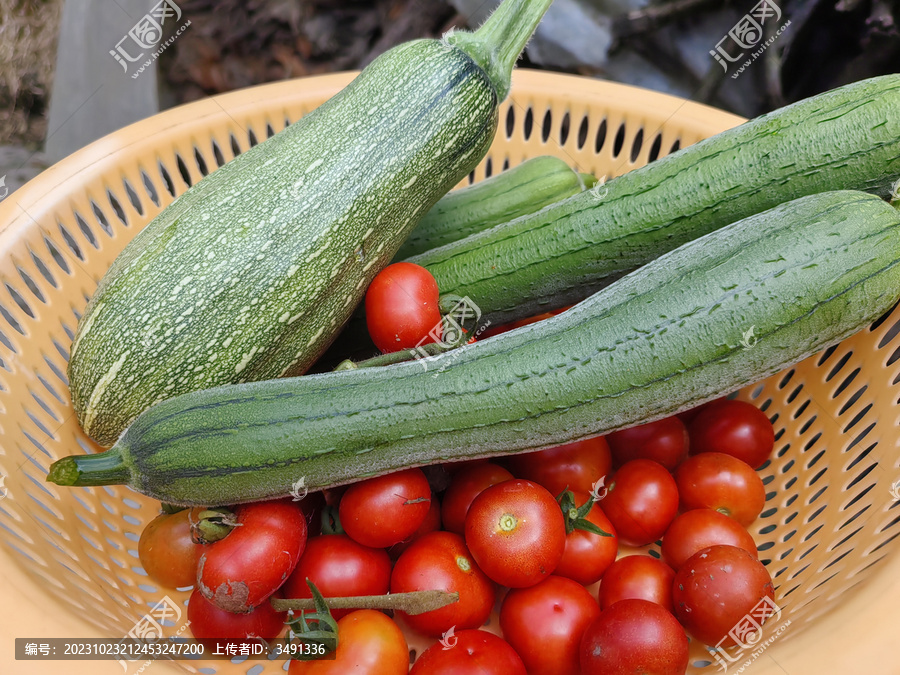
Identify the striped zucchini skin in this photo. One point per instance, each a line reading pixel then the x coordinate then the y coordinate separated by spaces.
pixel 519 191
pixel 848 138
pixel 249 274
pixel 668 336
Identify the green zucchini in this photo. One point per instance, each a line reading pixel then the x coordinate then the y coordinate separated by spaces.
pixel 848 138
pixel 670 335
pixel 521 190
pixel 251 272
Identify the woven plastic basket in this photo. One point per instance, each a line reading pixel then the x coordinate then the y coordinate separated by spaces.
pixel 69 556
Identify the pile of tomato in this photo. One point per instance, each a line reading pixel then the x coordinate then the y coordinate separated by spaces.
pixel 601 556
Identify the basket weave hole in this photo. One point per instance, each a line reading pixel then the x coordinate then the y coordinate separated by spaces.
pixel 600 137
pixel 655 148
pixel 116 207
pixel 200 161
pixel 133 196
pixel 6 342
pixel 59 373
pixel 583 132
pixel 70 242
pixel 42 269
pixel 166 178
pixel 9 525
pixel 17 298
pixel 217 153
pixel 86 230
pixel 183 170
pixel 528 123
pixel 619 141
pixel 149 188
pixel 510 121
pixel 547 126
pixel 235 146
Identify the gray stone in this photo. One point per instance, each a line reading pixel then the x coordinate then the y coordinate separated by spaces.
pixel 574 33
pixel 93 94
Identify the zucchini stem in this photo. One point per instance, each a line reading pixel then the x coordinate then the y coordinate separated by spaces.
pixel 104 468
pixel 497 45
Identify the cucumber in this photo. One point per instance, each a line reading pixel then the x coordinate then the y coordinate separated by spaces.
pixel 848 138
pixel 670 335
pixel 251 272
pixel 521 190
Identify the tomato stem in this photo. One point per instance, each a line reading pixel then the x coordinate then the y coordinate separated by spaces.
pixel 576 516
pixel 508 522
pixel 454 312
pixel 318 626
pixel 171 508
pixel 431 349
pixel 209 525
pixel 415 602
pixel 331 522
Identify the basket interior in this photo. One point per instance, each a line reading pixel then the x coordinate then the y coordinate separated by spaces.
pixel 830 514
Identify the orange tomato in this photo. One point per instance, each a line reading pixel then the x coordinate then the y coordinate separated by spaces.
pixel 369 643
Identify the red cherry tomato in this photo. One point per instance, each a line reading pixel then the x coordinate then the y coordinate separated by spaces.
pixel 736 428
pixel 339 567
pixel 242 570
pixel 641 502
pixel 464 487
pixel 382 511
pixel 713 480
pixel 637 577
pixel 402 307
pixel 587 554
pixel 715 588
pixel 634 636
pixel 369 643
pixel 544 624
pixel 432 523
pixel 469 652
pixel 664 441
pixel 576 466
pixel 166 551
pixel 215 626
pixel 695 530
pixel 441 561
pixel 516 533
